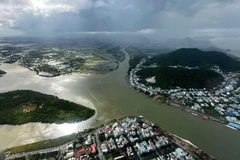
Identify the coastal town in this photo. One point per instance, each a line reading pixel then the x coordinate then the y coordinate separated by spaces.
pixel 221 103
pixel 126 138
pixel 49 59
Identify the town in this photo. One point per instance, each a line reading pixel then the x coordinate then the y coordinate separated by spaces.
pixel 220 102
pixel 49 59
pixel 126 138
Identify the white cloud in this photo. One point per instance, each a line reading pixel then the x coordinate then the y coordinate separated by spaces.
pixel 227 42
pixel 163 18
pixel 100 3
pixel 218 32
pixel 147 31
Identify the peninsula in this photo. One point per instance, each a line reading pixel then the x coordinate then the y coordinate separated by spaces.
pixel 198 81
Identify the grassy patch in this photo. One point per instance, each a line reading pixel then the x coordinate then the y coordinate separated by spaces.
pixel 42 144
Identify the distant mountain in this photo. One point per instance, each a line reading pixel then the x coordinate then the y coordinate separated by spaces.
pixel 215 49
pixel 187 43
pixel 193 57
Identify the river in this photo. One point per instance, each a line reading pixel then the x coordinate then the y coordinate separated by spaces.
pixel 113 98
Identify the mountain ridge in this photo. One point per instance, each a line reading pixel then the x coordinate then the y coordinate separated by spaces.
pixel 193 57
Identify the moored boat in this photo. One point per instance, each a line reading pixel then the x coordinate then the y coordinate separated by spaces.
pixel 205 117
pixel 231 127
pixel 194 114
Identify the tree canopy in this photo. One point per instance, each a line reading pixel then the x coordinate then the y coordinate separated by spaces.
pixel 168 77
pixel 193 57
pixel 50 108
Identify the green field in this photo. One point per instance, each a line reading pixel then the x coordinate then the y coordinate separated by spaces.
pixel 42 144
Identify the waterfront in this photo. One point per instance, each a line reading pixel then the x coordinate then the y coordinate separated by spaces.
pixel 113 98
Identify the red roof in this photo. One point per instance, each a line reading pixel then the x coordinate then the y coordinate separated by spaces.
pixel 79 153
pixel 108 129
pixel 156 133
pixel 92 149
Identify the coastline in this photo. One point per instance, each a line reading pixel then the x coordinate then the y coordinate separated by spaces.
pixel 63 127
pixel 57 130
pixel 183 143
pixel 182 107
pixel 57 86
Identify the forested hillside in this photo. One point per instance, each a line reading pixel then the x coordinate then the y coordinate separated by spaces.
pixel 168 78
pixel 23 106
pixel 193 57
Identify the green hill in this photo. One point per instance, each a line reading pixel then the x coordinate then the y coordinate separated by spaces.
pixel 193 57
pixel 169 78
pixel 23 106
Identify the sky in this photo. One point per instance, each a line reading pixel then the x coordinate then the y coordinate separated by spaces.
pixel 215 20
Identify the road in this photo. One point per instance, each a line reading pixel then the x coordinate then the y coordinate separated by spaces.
pixel 24 154
pixel 100 154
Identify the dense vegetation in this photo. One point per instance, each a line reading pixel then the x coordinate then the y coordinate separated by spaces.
pixel 47 68
pixel 196 58
pixel 53 110
pixel 168 77
pixel 115 53
pixel 2 72
pixel 133 62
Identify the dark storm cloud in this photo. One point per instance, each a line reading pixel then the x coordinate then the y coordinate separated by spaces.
pixel 157 18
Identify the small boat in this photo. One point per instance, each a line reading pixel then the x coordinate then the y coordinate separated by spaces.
pixel 194 114
pixel 205 117
pixel 140 116
pixel 231 127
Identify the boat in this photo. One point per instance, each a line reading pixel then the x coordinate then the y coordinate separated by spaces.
pixel 194 114
pixel 141 116
pixel 205 117
pixel 231 127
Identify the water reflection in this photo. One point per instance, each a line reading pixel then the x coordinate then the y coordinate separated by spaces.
pixel 63 86
pixel 68 128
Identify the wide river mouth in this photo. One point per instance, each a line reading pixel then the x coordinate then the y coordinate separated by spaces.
pixel 111 96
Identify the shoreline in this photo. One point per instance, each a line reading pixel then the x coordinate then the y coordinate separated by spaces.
pixel 181 142
pixel 89 72
pixel 209 117
pixel 90 120
pixel 56 86
pixel 34 123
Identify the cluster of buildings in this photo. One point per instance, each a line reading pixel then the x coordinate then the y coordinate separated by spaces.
pixel 223 100
pixel 136 138
pixel 81 149
pixel 49 60
pixel 127 138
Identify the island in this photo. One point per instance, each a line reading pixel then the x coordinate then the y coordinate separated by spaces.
pixel 205 83
pixel 125 138
pixel 24 106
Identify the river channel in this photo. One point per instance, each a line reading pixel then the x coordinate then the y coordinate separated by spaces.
pixel 111 96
